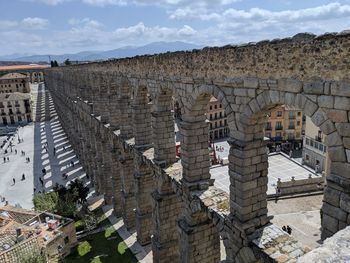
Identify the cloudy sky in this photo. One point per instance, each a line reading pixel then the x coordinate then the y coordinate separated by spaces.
pixel 62 26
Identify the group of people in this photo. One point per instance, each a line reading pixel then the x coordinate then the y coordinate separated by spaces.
pixel 287 229
pixel 219 148
pixel 23 178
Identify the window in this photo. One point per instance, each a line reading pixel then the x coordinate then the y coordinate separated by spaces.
pixel 268 126
pixel 216 115
pixel 220 123
pixel 278 125
pixel 299 113
pixel 211 107
pixel 307 141
pixel 211 116
pixel 225 122
pixel 320 147
pixel 220 114
pixel 211 126
pixel 291 115
pixel 216 124
pixel 298 123
pixel 307 157
pixel 220 106
pixel 216 106
pixel 279 113
pixel 291 124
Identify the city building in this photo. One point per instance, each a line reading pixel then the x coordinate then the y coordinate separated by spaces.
pixel 24 231
pixel 218 127
pixel 15 108
pixel 314 148
pixel 34 72
pixel 285 127
pixel 14 82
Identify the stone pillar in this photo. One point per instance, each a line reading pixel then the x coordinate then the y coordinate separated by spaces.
pixel 116 181
pixel 248 175
pixel 128 188
pixel 166 209
pixel 163 130
pixel 143 174
pixel 199 238
pixel 166 204
pixel 107 168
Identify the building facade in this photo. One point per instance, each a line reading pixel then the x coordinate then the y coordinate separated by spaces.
pixel 285 124
pixel 314 147
pixel 14 82
pixel 216 115
pixel 15 108
pixel 23 231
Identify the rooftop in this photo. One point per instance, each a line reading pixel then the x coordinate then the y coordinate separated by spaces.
pixel 24 67
pixel 13 76
pixel 17 225
pixel 14 96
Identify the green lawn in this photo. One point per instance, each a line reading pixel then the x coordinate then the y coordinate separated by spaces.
pixel 98 249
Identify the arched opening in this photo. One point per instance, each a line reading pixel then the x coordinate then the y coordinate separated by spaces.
pixel 204 156
pixel 262 181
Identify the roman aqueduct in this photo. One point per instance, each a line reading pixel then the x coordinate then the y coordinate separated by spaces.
pixel 118 117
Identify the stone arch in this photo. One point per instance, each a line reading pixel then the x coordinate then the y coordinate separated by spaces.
pixel 248 166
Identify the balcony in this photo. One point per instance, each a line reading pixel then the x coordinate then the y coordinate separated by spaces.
pixel 18 112
pixel 279 128
pixel 291 117
pixel 268 128
pixel 291 127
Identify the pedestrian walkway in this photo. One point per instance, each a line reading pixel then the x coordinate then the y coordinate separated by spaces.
pixel 48 149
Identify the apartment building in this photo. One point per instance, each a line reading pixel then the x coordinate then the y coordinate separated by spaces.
pixel 15 108
pixel 218 127
pixel 14 82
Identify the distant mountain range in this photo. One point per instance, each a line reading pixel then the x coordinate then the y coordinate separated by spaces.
pixel 127 51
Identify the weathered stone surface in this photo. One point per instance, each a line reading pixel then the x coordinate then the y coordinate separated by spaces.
pixel 249 81
pixel 342 103
pixel 334 249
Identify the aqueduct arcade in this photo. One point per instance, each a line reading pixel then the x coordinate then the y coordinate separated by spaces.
pixel 118 117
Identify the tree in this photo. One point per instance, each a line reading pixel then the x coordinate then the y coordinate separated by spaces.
pixel 33 256
pixel 77 188
pixel 46 201
pixel 67 62
pixel 53 63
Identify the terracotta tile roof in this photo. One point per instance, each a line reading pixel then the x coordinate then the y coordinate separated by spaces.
pixel 20 67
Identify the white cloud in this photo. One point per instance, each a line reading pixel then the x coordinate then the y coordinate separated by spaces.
pixel 7 24
pixel 34 23
pixel 165 3
pixel 105 2
pixel 85 22
pixel 48 2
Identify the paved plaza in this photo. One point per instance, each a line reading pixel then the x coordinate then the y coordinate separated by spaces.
pixel 280 166
pixel 47 147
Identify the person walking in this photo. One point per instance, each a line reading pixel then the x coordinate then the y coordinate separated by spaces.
pixel 28 160
pixel 23 177
pixel 4 159
pixel 14 181
pixel 289 230
pixel 15 151
pixel 8 159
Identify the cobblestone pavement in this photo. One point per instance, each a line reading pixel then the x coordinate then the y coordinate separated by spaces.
pixel 302 215
pixel 280 166
pixel 35 136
